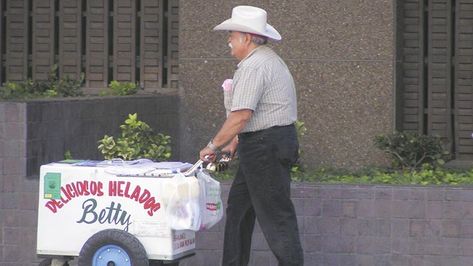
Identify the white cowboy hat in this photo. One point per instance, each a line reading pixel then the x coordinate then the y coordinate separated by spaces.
pixel 249 19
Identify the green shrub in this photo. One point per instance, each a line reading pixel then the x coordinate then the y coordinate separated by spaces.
pixel 53 87
pixel 411 150
pixel 425 175
pixel 137 140
pixel 227 174
pixel 120 88
pixel 68 87
pixel 298 167
pixel 68 155
pixel 12 90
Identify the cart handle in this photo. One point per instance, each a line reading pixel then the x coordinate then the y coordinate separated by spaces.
pixel 194 167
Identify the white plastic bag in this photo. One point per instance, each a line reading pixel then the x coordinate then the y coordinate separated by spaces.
pixel 182 210
pixel 211 207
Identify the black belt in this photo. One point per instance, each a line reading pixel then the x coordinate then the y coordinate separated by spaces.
pixel 266 130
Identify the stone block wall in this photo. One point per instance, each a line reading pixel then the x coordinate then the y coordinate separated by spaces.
pixel 344 225
pixel 340 225
pixel 18 195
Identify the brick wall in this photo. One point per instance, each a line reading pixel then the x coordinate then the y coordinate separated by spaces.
pixel 345 225
pixel 18 195
pixel 339 224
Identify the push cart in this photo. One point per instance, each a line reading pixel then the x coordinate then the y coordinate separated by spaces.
pixel 108 214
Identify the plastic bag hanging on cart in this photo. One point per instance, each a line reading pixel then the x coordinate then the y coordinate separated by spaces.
pixel 211 207
pixel 183 211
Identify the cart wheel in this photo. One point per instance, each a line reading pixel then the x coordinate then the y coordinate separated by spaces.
pixel 113 247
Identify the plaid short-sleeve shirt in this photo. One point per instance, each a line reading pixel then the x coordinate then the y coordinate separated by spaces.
pixel 264 84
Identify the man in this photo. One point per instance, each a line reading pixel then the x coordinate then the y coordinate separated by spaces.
pixel 261 124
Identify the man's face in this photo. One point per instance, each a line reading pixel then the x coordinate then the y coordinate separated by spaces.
pixel 237 41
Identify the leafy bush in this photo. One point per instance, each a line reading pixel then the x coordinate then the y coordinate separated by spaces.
pixel 411 150
pixel 425 175
pixel 68 87
pixel 137 140
pixel 12 90
pixel 121 88
pixel 53 87
pixel 68 155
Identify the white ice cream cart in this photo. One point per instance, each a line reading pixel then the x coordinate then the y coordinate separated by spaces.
pixel 107 213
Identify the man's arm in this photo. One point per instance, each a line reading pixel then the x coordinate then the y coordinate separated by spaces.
pixel 234 123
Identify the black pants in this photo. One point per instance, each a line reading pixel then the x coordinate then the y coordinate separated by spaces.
pixel 261 190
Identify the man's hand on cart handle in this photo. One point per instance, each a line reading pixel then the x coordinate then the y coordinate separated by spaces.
pixel 228 133
pixel 207 155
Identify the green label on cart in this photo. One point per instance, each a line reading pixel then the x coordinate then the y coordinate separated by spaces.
pixel 52 186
